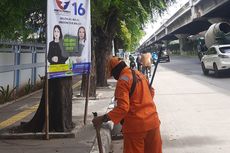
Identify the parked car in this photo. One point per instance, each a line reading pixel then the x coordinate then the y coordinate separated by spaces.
pixel 216 59
pixel 164 56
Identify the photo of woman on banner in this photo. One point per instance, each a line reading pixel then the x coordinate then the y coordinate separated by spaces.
pixel 81 38
pixel 55 52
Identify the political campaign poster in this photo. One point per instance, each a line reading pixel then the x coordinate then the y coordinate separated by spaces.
pixel 68 38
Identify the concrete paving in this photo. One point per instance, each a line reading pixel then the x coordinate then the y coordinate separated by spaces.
pixel 85 135
pixel 193 113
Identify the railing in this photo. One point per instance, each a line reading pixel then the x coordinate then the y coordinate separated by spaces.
pixel 20 62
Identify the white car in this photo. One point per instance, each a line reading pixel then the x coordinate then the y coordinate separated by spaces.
pixel 216 59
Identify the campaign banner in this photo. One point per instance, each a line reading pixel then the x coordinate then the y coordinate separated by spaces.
pixel 68 38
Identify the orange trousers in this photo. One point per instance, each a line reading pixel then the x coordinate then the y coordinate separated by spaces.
pixel 143 142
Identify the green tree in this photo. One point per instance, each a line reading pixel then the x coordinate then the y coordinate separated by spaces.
pixel 22 18
pixel 120 19
pixel 123 20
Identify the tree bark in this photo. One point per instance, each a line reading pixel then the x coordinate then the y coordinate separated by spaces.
pixel 92 91
pixel 60 108
pixel 92 86
pixel 103 44
pixel 118 44
pixel 103 51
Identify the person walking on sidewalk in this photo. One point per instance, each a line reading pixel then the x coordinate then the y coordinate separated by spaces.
pixel 146 60
pixel 141 126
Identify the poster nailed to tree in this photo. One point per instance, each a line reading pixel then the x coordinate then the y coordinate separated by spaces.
pixel 68 37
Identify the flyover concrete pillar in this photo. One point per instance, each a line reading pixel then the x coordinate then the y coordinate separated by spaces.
pixel 165 43
pixel 183 41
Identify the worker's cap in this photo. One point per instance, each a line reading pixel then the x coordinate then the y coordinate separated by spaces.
pixel 112 63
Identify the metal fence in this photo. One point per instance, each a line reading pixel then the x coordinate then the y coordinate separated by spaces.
pixel 20 62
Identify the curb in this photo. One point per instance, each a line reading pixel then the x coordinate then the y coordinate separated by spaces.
pixel 21 98
pixel 37 135
pixel 33 93
pixel 106 138
pixel 106 134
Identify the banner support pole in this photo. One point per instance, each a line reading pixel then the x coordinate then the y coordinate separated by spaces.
pixel 87 98
pixel 46 87
pixel 46 109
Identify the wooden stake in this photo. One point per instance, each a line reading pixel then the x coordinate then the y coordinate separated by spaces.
pixel 87 98
pixel 46 109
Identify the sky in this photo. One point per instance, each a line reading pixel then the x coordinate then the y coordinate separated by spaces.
pixel 152 27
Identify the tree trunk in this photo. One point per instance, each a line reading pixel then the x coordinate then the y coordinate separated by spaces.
pixel 92 91
pixel 60 108
pixel 118 44
pixel 103 44
pixel 92 84
pixel 103 51
pixel 83 85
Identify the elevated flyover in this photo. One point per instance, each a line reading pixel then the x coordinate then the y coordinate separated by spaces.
pixel 194 17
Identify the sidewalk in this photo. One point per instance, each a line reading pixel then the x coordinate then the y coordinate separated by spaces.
pixel 85 135
pixel 192 109
pixel 193 113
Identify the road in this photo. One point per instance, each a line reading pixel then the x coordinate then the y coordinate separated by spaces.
pixel 193 108
pixel 190 66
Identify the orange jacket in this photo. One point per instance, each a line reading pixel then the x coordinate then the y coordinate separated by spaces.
pixel 139 111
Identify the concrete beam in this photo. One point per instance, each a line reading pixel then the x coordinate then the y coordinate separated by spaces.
pixel 216 20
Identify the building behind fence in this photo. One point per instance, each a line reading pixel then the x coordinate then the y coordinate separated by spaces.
pixel 21 64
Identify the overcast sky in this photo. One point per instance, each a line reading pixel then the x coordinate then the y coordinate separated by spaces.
pixel 152 27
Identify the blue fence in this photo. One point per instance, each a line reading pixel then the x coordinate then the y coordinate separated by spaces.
pixel 20 62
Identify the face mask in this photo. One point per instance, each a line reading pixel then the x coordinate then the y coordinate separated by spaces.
pixel 117 69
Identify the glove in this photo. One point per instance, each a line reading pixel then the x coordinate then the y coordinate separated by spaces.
pixel 97 121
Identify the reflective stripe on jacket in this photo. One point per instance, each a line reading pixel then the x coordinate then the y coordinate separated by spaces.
pixel 139 111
